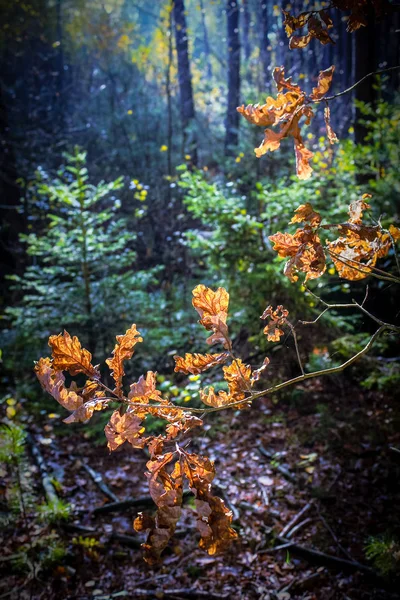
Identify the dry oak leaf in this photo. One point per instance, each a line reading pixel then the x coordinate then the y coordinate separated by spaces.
pixel 145 388
pixel 81 406
pixel 277 319
pixel 332 137
pixel 305 251
pixel 306 214
pixel 258 373
pixel 68 355
pixel 166 490
pixel 214 519
pixel 286 111
pixel 123 350
pixel 197 363
pixel 357 208
pixel 318 24
pixel 212 308
pixel 210 398
pixel 238 377
pixel 124 428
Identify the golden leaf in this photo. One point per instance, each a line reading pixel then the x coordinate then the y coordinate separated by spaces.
pixel 214 519
pixel 332 137
pixel 123 428
pixel 197 363
pixel 306 252
pixel 276 319
pixel 68 355
pixel 145 389
pixel 306 214
pixel 166 490
pixel 123 350
pixel 212 308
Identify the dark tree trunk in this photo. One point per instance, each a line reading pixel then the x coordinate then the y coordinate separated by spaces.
pixel 264 43
pixel 232 116
pixel 364 63
pixel 207 52
pixel 185 80
pixel 246 30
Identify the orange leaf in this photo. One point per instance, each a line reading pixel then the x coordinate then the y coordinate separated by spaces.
pixel 277 319
pixel 123 350
pixel 214 519
pixel 213 310
pixel 123 428
pixel 197 363
pixel 68 355
pixel 306 214
pixel 332 137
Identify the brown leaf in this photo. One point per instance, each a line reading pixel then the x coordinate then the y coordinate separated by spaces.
pixel 166 490
pixel 332 137
pixel 306 252
pixel 213 310
pixel 68 355
pixel 281 83
pixel 238 376
pixel 276 319
pixel 197 363
pixel 306 214
pixel 324 83
pixel 124 428
pixel 357 208
pixel 54 383
pixel 303 157
pixel 210 398
pixel 258 373
pixel 123 350
pixel 213 517
pixel 145 389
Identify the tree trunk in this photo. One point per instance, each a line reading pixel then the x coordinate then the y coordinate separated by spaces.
pixel 264 43
pixel 206 41
pixel 185 80
pixel 246 30
pixel 364 63
pixel 232 116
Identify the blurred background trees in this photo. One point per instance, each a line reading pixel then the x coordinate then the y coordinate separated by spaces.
pixel 172 192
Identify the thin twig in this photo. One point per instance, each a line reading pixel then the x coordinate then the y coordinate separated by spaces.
pixel 350 89
pixel 295 519
pixel 292 329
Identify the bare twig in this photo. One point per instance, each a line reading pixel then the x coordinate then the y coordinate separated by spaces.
pixel 295 519
pixel 350 89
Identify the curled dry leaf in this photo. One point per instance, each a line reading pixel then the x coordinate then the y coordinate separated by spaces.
pixel 214 519
pixel 276 319
pixel 306 214
pixel 305 251
pixel 197 363
pixel 318 23
pixel 81 405
pixel 124 428
pixel 332 137
pixel 145 389
pixel 123 350
pixel 166 491
pixel 285 111
pixel 258 373
pixel 68 355
pixel 212 308
pixel 357 208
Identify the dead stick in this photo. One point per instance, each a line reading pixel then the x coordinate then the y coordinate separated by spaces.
pixel 327 559
pixel 48 487
pixel 296 518
pixel 297 527
pixel 101 484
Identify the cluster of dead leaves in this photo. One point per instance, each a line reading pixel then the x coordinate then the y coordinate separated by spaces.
pixel 166 488
pixel 354 253
pixel 285 111
pixel 128 422
pixel 319 23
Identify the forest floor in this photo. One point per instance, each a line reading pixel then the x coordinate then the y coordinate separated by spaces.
pixel 312 471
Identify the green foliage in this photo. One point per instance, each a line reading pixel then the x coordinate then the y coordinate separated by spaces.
pixel 83 268
pixel 55 511
pixel 385 553
pixel 12 443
